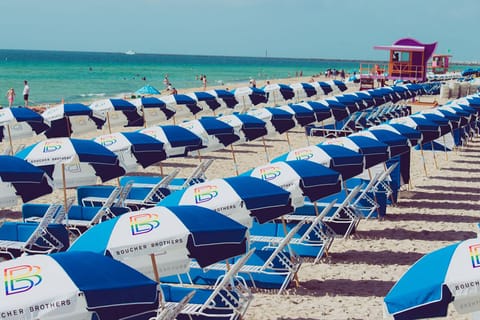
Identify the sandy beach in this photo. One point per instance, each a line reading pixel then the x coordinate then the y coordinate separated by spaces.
pixel 350 283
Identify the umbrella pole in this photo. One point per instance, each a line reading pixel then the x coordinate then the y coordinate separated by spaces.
pixel 10 139
pixel 108 121
pixel 290 251
pixel 234 159
pixel 445 147
pixel 64 181
pixel 265 148
pixel 434 156
pixel 423 160
pixel 68 126
pixel 144 118
pixel 374 195
pixel 157 278
pixel 161 169
pixel 288 141
pixel 199 156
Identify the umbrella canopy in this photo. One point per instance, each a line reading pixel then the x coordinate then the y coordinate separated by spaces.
pixel 154 103
pixel 443 122
pixel 413 136
pixel 241 198
pixel 81 160
pixel 75 285
pixel 300 177
pixel 20 178
pixel 396 143
pixel 132 148
pixel 102 108
pixel 215 134
pixel 374 151
pixel 205 100
pixel 12 116
pixel 320 110
pixel 177 234
pixel 246 126
pixel 277 92
pixel 430 130
pixel 178 141
pixel 448 275
pixel 340 85
pixel 148 89
pixel 59 118
pixel 326 87
pixel 339 110
pixel 182 104
pixel 302 115
pixel 367 99
pixel 248 96
pixel 347 162
pixel 304 90
pixel 277 120
pixel 224 97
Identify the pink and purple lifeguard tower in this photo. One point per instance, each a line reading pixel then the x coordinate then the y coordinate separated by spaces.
pixel 407 62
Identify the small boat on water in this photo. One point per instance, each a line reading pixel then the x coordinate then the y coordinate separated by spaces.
pixel 130 52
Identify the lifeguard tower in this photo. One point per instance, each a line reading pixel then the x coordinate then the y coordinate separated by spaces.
pixel 439 63
pixel 407 61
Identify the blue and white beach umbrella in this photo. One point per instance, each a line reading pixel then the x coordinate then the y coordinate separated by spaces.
pixel 205 100
pixel 215 134
pixel 241 198
pixel 248 97
pixel 224 97
pixel 448 275
pixel 21 122
pixel 396 143
pixel 19 178
pixel 301 178
pixel 154 109
pixel 178 141
pixel 105 110
pixel 62 123
pixel 74 285
pixel 347 162
pixel 133 148
pixel 304 90
pixel 325 87
pixel 278 93
pixel 247 127
pixel 184 106
pixel 175 234
pixel 338 85
pixel 338 109
pixel 414 136
pixel 321 111
pixel 278 121
pixel 302 115
pixel 429 129
pixel 374 151
pixel 73 162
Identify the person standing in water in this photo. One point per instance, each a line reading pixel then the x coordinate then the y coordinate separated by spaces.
pixel 26 92
pixel 10 96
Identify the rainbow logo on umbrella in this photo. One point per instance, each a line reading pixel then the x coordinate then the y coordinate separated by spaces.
pixel 107 141
pixel 303 154
pixel 21 278
pixel 270 173
pixel 205 193
pixel 143 223
pixel 475 255
pixel 51 146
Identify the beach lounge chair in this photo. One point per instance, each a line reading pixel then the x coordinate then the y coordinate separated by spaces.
pixel 136 198
pixel 18 238
pixel 312 240
pixel 269 267
pixel 197 175
pixel 342 218
pixel 229 298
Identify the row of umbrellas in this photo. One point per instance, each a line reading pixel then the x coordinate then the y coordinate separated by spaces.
pixel 57 121
pixel 267 202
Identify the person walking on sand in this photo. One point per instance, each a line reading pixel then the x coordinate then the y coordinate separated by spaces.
pixel 204 81
pixel 26 92
pixel 10 96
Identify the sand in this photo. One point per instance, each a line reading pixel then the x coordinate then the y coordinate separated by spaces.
pixel 350 283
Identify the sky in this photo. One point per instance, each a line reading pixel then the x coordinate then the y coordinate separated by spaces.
pixel 330 29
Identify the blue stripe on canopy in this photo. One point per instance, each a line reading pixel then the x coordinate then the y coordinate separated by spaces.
pixel 76 109
pixel 33 119
pixel 325 87
pixel 281 119
pixel 147 150
pixel 258 193
pixel 303 115
pixel 426 276
pixel 123 105
pixel 322 112
pixel 92 152
pixel 374 151
pixel 339 110
pixel 227 97
pixel 397 144
pixel 411 134
pixel 252 127
pixel 221 130
pixel 102 287
pixel 181 137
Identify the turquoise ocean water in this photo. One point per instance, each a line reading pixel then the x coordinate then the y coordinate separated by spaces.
pixel 88 76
